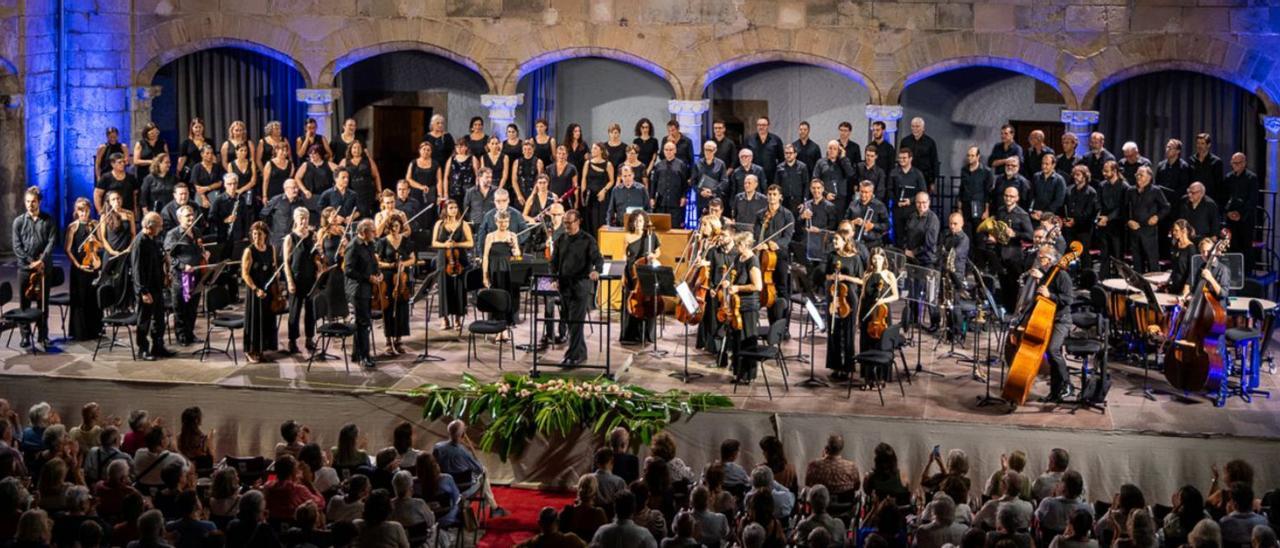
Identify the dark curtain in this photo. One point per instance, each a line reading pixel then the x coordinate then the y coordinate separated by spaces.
pixel 223 85
pixel 1153 108
pixel 542 99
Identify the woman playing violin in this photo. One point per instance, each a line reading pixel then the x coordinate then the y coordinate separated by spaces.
pixel 85 320
pixel 843 270
pixel 452 236
pixel 395 258
pixel 641 244
pixel 879 290
pixel 746 282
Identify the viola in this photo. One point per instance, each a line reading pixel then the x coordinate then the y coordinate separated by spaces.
pixel 33 288
pixel 92 250
pixel 1193 361
pixel 730 311
pixel 401 288
pixel 878 322
pixel 840 305
pixel 1026 344
pixel 279 302
pixel 453 261
pixel 699 280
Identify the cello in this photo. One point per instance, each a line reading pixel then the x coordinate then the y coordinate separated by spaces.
pixel 1027 343
pixel 768 264
pixel 1193 361
pixel 640 305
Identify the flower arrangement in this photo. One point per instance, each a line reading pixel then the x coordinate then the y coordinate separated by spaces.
pixel 516 408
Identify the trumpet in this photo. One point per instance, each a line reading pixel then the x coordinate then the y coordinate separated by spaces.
pixel 995 228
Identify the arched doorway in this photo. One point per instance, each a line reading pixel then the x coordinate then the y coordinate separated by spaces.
pixel 222 85
pixel 392 97
pixel 593 92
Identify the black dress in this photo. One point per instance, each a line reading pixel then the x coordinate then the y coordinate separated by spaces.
pixel 125 187
pixel 561 183
pixel 334 290
pixel 500 254
pixel 540 204
pixel 498 167
pixel 260 332
pixel 85 321
pixel 268 151
pixel 875 287
pixel 317 179
pixel 542 151
pixel 157 190
pixel 617 155
pixel 648 149
pixel 636 330
pixel 147 151
pixel 597 178
pixel 276 178
pixel 191 151
pixel 453 289
pixel 441 147
pixel 526 174
pixel 462 176
pixel 840 349
pixel 1180 267
pixel 395 319
pixel 709 334
pixel 512 152
pixel 577 154
pixel 750 311
pixel 339 148
pixel 206 176
pixel 361 182
pixel 429 176
pixel 104 164
pixel 476 146
pixel 243 176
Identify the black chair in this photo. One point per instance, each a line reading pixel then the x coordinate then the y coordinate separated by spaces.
pixel 217 298
pixel 766 348
pixel 250 469
pixel 881 361
pixel 1088 341
pixel 123 317
pixel 330 327
pixel 61 299
pixel 24 318
pixel 497 304
pixel 419 534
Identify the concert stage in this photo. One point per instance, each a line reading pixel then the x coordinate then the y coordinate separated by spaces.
pixel 246 402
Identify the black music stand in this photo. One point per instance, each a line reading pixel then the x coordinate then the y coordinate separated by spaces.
pixel 690 304
pixel 800 274
pixel 522 272
pixel 922 292
pixel 424 289
pixel 543 286
pixel 210 276
pixel 997 313
pixel 661 282
pixel 1134 279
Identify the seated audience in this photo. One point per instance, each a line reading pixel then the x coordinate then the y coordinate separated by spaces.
pixel 608 484
pixel 648 514
pixel 664 449
pixel 224 496
pixel 295 436
pixel 1054 512
pixel 775 458
pixel 1044 486
pixel 348 454
pixel 437 489
pixel 456 459
pixel 549 535
pixel 682 534
pixel 405 509
pixel 1079 532
pixel 376 527
pixel 1113 524
pixel 943 528
pixel 1015 462
pixel 838 474
pixel 818 499
pixel 402 442
pixel 289 490
pixel 623 532
pixel 763 484
pixel 150 531
pixel 193 443
pixel 735 477
pixel 323 477
pixel 1009 529
pixel 712 527
pixel 151 459
pixel 1238 524
pixel 88 432
pixel 191 530
pixel 1022 509
pixel 349 505
pixel 885 479
pixel 1188 510
pixel 583 518
pixel 625 465
pixel 107 450
pixel 955 469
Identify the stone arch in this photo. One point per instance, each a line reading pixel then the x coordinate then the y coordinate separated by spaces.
pixel 817 47
pixel 1245 82
pixel 175 39
pixel 1013 64
pixel 329 73
pixel 760 57
pixel 548 57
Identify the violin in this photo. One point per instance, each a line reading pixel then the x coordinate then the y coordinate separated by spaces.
pixel 730 311
pixel 876 319
pixel 401 288
pixel 92 249
pixel 699 279
pixel 639 304
pixel 279 302
pixel 33 288
pixel 840 305
pixel 1194 359
pixel 380 300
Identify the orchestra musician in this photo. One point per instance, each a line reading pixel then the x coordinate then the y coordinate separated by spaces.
pixel 169 212
pixel 1112 192
pixel 626 196
pixel 1009 256
pixel 976 180
pixel 920 245
pixel 278 213
pixel 500 248
pixel 818 213
pixel 879 290
pixel 717 237
pixel 186 253
pixel 300 251
pixel 747 206
pixel 1181 251
pixel 868 215
pixel 1199 210
pixel 257 267
pixel 542 243
pixel 452 235
pixel 146 258
pixel 669 180
pixel 904 182
pixel 708 176
pixel 85 316
pixel 1216 278
pixel 395 256
pixel 411 208
pixel 1146 207
pixel 333 247
pixel 539 200
pixel 746 282
pixel 387 211
pixel 641 243
pixel 341 197
pixel 117 232
pixel 834 171
pixel 1062 293
pixel 953 259
pixel 845 267
pixel 360 269
pixel 777 225
pixel 1048 189
pixel 575 257
pixel 34 236
pixel 1079 212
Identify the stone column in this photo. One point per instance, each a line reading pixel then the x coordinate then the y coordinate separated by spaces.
pixel 502 112
pixel 320 107
pixel 1080 122
pixel 889 114
pixel 1272 126
pixel 140 99
pixel 689 115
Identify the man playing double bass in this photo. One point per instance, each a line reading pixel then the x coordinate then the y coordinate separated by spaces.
pixel 1062 293
pixel 1215 277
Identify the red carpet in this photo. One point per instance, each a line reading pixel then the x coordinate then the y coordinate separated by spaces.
pixel 522 523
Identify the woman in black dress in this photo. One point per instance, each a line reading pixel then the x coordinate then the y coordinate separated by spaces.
pixel 157 188
pixel 1180 254
pixel 300 250
pixel 541 199
pixel 500 248
pixel 716 258
pixel 275 173
pixel 85 316
pixel 315 175
pixel 191 150
pixel 641 243
pixel 333 243
pixel 614 148
pixel 476 140
pixel 116 232
pixel 338 145
pixel 272 139
pixel 244 167
pixel 257 266
pixel 576 146
pixel 593 190
pixel 525 171
pixel 395 256
pixel 563 177
pixel 441 141
pixel 844 267
pixel 117 180
pixel 452 235
pixel 424 174
pixel 459 173
pixel 102 158
pixel 146 150
pixel 310 137
pixel 880 287
pixel 365 181
pixel 645 142
pixel 206 176
pixel 745 280
pixel 544 145
pixel 512 146
pixel 497 162
pixel 237 134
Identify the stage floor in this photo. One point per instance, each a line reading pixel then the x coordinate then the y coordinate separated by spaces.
pixel 949 396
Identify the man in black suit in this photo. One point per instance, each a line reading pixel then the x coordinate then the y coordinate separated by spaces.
pixel 147 261
pixel 361 271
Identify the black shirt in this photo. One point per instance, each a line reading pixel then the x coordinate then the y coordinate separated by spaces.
pixel 358 265
pixel 169 213
pixel 793 178
pixel 884 154
pixel 1003 182
pixel 767 154
pixel 710 176
pixel 1242 196
pixel 807 151
pixel 879 219
pixel 1081 205
pixel 974 185
pixel 575 257
pixel 1019 221
pixel 182 249
pixel 1210 172
pixel 835 175
pixel 345 202
pixel 875 174
pixel 34 238
pixel 147 261
pixel 1111 201
pixel 920 235
pixel 1094 160
pixel 905 185
pixel 477 204
pixel 924 155
pixel 1145 203
pixel 746 209
pixel 1175 176
pixel 824 217
pixel 125 187
pixel 1130 169
pixel 726 151
pixel 958 242
pixel 279 216
pixel 668 179
pixel 738 174
pixel 1031 159
pixel 623 198
pixel 780 228
pixel 1048 193
pixel 1203 217
pixel 1000 152
pixel 157 190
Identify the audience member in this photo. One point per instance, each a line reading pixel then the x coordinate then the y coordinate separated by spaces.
pixel 955 469
pixel 349 505
pixel 295 436
pixel 712 527
pixel 583 517
pixel 402 442
pixel 455 458
pixel 191 530
pixel 324 477
pixel 1020 508
pixel 682 534
pixel 193 443
pixel 838 474
pixel 1054 512
pixel 648 514
pixel 623 532
pixel 289 490
pixel 89 431
pixel 224 495
pixel 625 465
pixel 1263 537
pixel 1114 523
pixel 150 531
pixel 664 449
pixel 775 458
pixel 608 484
pixel 1237 526
pixel 250 528
pixel 349 453
pixel 549 535
pixel 1078 533
pixel 405 509
pixel 943 528
pixel 1206 534
pixel 1045 485
pixel 763 484
pixel 819 498
pixel 439 490
pixel 377 530
pixel 885 479
pixel 106 451
pixel 1188 510
pixel 152 458
pixel 734 475
pixel 1015 462
pixel 139 425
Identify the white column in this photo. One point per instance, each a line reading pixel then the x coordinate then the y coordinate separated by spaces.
pixel 1080 122
pixel 689 115
pixel 889 114
pixel 140 99
pixel 502 111
pixel 1272 126
pixel 320 107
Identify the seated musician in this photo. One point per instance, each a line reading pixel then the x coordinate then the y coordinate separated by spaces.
pixel 642 243
pixel 1062 293
pixel 1216 277
pixel 869 216
pixel 1180 253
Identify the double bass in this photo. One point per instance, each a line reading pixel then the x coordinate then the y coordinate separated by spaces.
pixel 1030 337
pixel 1193 361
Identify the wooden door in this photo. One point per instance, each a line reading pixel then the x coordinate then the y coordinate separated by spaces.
pixel 396 133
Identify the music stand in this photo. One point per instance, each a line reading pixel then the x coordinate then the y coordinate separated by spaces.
pixel 521 272
pixel 922 291
pixel 661 282
pixel 801 275
pixel 1136 280
pixel 543 286
pixel 208 277
pixel 811 314
pixel 424 290
pixel 998 314
pixel 690 304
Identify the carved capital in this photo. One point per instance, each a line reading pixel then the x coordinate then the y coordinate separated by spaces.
pixel 1272 125
pixel 319 96
pixel 1079 118
pixel 502 102
pixel 884 113
pixel 11 102
pixel 688 108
